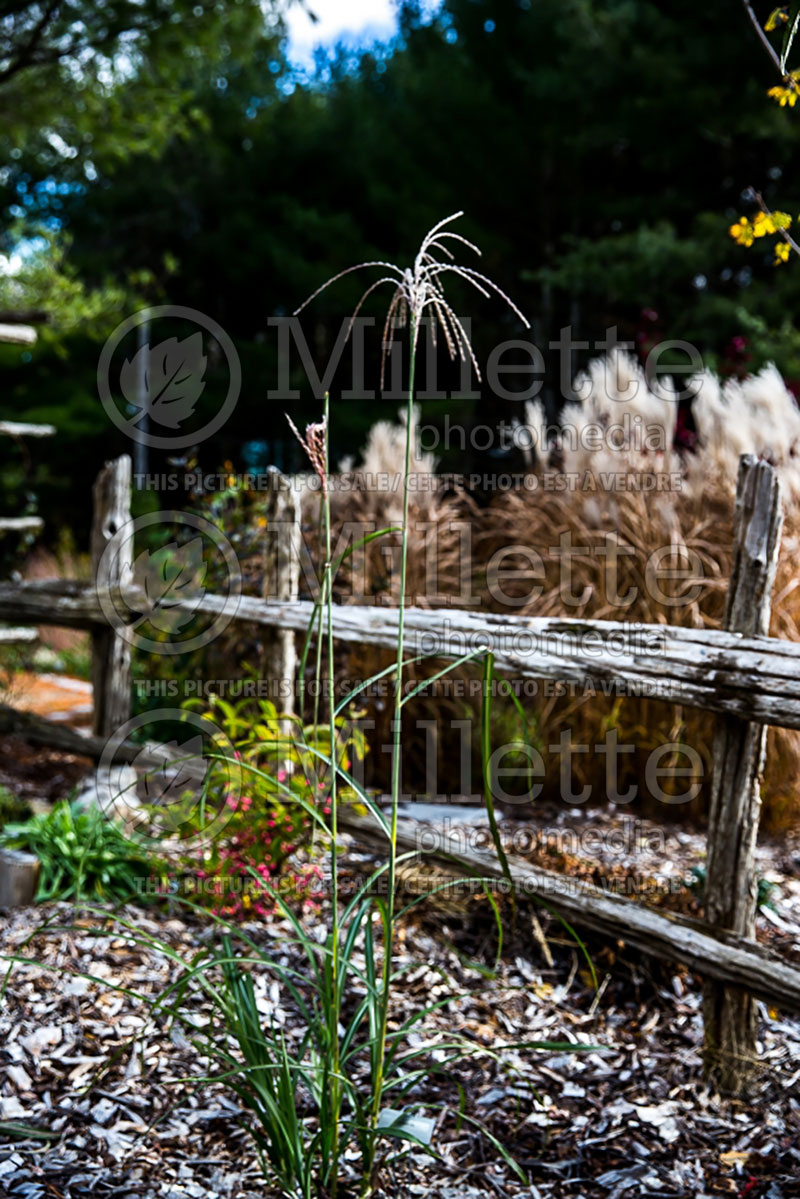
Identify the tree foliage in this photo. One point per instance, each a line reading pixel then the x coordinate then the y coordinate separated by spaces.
pixel 600 150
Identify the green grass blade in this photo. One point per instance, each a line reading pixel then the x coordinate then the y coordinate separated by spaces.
pixel 486 754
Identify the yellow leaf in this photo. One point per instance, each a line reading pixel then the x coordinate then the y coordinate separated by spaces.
pixel 784 95
pixel 777 17
pixel 734 1157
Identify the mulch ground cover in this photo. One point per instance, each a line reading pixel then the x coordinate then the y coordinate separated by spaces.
pixel 100 1097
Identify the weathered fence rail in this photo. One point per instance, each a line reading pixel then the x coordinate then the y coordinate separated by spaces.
pixel 19 335
pixel 15 428
pixel 754 678
pixel 720 955
pixel 19 431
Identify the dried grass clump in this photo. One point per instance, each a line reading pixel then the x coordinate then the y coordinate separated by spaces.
pixel 619 420
pixel 758 415
pixel 538 521
pixel 384 458
pixel 438 572
pixel 694 518
pixel 691 524
pixel 368 498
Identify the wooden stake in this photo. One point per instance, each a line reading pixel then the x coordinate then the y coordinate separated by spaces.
pixel 281 582
pixel 111 653
pixel 729 1012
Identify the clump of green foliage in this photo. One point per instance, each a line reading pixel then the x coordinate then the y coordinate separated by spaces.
pixel 83 854
pixel 12 807
pixel 275 816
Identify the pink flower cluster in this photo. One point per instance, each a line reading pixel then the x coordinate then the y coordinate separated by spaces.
pixel 255 858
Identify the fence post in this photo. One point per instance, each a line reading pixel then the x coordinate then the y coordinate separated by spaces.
pixel 282 544
pixel 111 653
pixel 729 1012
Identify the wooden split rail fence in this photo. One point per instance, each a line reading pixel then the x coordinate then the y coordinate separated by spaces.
pixel 14 330
pixel 748 678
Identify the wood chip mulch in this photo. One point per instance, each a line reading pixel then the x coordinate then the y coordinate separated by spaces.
pixel 101 1085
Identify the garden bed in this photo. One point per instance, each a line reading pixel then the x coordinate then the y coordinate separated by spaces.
pixel 87 1064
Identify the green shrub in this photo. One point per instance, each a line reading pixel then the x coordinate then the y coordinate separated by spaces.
pixel 83 854
pixel 272 819
pixel 12 807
